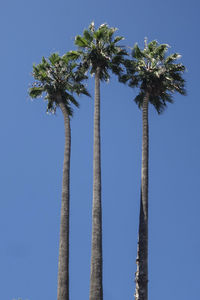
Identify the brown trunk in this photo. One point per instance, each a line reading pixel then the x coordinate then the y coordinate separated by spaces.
pixel 63 264
pixel 96 289
pixel 141 275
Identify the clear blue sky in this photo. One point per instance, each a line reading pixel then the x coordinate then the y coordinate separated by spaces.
pixel 32 145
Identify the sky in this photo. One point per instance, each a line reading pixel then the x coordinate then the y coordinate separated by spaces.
pixel 32 147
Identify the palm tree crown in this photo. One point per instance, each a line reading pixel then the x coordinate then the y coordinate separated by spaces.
pixel 57 76
pixel 98 49
pixel 152 71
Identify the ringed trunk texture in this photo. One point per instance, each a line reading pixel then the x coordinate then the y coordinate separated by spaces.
pixel 63 263
pixel 96 287
pixel 141 275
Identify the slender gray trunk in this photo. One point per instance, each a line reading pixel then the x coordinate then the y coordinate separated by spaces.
pixel 96 288
pixel 141 275
pixel 63 264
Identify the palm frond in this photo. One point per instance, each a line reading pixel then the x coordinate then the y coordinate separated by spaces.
pixel 117 39
pixel 69 109
pixel 71 55
pixel 137 53
pixel 152 46
pixel 71 99
pixel 36 91
pixel 54 58
pixel 81 42
pixel 160 51
pixel 139 99
pixel 87 34
pixel 172 58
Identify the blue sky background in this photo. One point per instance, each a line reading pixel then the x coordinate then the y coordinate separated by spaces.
pixel 32 145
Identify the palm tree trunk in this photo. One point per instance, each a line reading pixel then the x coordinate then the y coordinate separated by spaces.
pixel 63 264
pixel 96 288
pixel 141 275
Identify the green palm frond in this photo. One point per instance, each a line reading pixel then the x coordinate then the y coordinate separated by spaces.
pixel 69 109
pixel 137 53
pixel 35 91
pixel 71 55
pixel 71 99
pixel 87 34
pixel 82 90
pixel 171 58
pixel 151 46
pixel 51 106
pixel 117 39
pixel 160 51
pixel 139 99
pixel 81 42
pixel 54 58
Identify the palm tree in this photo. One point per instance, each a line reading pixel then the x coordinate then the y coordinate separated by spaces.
pixel 58 79
pixel 99 53
pixel 158 77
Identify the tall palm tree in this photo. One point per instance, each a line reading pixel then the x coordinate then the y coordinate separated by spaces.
pixel 158 77
pixel 58 79
pixel 100 53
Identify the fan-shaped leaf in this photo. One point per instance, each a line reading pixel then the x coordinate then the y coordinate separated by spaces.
pixel 159 52
pixel 152 45
pixel 87 36
pixel 54 58
pixel 172 58
pixel 81 42
pixel 71 55
pixel 35 91
pixel 137 53
pixel 118 38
